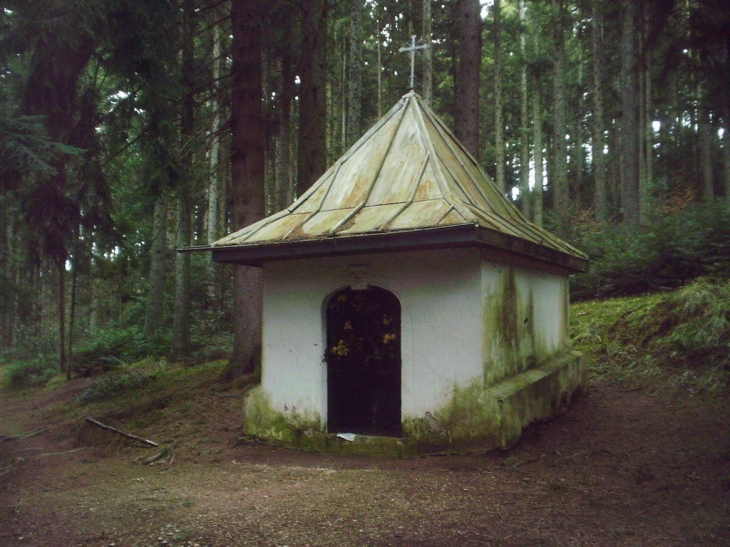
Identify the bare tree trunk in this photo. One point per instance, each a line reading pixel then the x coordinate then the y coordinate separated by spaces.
pixel 61 264
pixel 630 141
pixel 72 312
pixel 427 80
pixel 213 224
pixel 247 172
pixel 467 84
pixel 213 230
pixel 283 160
pixel 599 158
pixel 312 144
pixel 648 144
pixel 726 151
pixel 576 188
pixel 181 313
pixel 559 171
pixel 537 198
pixel 705 127
pixel 524 118
pixel 498 123
pixel 379 68
pixel 156 290
pixel 354 99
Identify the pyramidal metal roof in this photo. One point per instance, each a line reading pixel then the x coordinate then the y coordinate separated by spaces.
pixel 406 184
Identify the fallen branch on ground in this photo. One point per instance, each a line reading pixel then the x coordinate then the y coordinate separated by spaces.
pixel 26 435
pixel 164 453
pixel 119 432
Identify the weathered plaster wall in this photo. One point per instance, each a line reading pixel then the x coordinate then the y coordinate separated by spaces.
pixel 441 310
pixel 525 316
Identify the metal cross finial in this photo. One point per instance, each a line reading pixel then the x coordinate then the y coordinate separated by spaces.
pixel 412 50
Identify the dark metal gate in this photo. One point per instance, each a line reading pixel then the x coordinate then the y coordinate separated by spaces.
pixel 364 362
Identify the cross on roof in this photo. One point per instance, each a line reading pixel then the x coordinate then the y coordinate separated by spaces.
pixel 412 50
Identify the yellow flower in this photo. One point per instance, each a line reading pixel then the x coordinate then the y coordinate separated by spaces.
pixel 388 338
pixel 348 325
pixel 340 349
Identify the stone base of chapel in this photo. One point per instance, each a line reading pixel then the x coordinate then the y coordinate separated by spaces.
pixel 477 418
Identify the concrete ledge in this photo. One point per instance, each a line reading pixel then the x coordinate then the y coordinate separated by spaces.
pixel 536 394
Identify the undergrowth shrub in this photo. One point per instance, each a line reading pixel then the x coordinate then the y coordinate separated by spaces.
pixel 683 335
pixel 33 344
pixel 674 247
pixel 32 373
pixel 113 385
pixel 110 348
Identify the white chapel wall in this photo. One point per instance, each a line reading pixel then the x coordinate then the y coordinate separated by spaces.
pixel 441 330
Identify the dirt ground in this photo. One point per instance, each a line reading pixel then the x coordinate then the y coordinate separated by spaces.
pixel 621 467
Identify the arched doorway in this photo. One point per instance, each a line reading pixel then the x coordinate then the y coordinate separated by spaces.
pixel 364 362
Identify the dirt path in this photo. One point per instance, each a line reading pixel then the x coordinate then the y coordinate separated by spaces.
pixel 618 469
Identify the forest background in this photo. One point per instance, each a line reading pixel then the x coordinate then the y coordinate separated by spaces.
pixel 131 129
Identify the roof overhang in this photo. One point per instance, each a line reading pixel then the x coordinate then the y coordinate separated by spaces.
pixel 465 235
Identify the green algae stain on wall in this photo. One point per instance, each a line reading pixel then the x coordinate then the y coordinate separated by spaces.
pixel 261 420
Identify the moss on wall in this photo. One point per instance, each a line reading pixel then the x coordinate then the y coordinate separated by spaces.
pixel 519 332
pixel 475 417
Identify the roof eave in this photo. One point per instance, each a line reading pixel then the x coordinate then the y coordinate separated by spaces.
pixel 464 235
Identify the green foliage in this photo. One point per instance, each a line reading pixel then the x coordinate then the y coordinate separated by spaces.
pixel 32 373
pixel 683 336
pixel 113 347
pixel 673 248
pixel 25 147
pixel 113 385
pixel 33 344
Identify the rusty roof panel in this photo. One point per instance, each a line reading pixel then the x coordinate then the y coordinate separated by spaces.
pixel 428 187
pixel 312 202
pixel 371 219
pixel 453 217
pixel 429 212
pixel 360 170
pixel 278 229
pixel 398 178
pixel 322 223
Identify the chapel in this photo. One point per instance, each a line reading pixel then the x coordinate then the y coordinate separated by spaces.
pixel 408 306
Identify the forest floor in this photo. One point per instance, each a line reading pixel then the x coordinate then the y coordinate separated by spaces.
pixel 623 466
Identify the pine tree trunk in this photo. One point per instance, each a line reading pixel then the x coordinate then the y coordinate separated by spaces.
pixel 630 195
pixel 498 112
pixel 72 312
pixel 213 231
pixel 247 172
pixel 379 67
pixel 284 192
pixel 537 198
pixel 559 171
pixel 181 313
pixel 648 144
pixel 726 150
pixel 705 128
pixel 427 80
pixel 467 88
pixel 158 269
pixel 576 188
pixel 524 118
pixel 312 145
pixel 354 89
pixel 599 159
pixel 62 315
